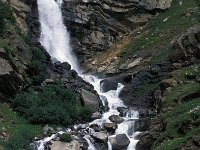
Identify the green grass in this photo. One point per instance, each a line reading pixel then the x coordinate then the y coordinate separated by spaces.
pixel 189 72
pixel 13 125
pixel 158 33
pixel 181 91
pixel 185 115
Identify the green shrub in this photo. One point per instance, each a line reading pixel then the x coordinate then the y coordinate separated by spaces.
pixel 5 13
pixel 20 140
pixel 38 67
pixel 65 137
pixel 51 104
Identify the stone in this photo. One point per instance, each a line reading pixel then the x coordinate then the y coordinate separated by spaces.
pixel 100 137
pixel 107 85
pixel 47 129
pixel 110 127
pixel 49 81
pixel 196 140
pixel 116 119
pixel 168 83
pixel 57 145
pixel 65 65
pixel 90 100
pixel 119 142
pixel 141 124
pixel 96 127
pixel 96 115
pixel 11 79
pixel 186 45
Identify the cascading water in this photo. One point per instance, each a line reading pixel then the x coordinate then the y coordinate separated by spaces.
pixel 55 39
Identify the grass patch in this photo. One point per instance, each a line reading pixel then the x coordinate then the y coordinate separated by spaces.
pixel 181 91
pixel 183 122
pixel 19 132
pixel 160 30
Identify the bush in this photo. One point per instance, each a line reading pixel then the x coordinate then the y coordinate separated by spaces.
pixel 51 104
pixel 38 67
pixel 65 137
pixel 5 13
pixel 20 140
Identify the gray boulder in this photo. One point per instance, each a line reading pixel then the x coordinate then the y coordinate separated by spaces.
pixel 100 137
pixel 120 142
pixel 116 119
pixel 89 99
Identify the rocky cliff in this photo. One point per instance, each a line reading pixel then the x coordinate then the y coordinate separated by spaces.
pixel 151 46
pixel 97 25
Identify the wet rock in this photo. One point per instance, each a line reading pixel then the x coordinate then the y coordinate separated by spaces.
pixel 119 142
pixel 116 119
pixel 96 127
pixel 90 100
pixel 110 127
pixel 96 115
pixel 107 85
pixel 64 65
pixel 47 129
pixel 101 146
pixel 122 111
pixel 142 124
pixel 100 137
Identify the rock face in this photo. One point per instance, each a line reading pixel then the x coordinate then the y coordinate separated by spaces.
pixel 11 81
pixel 96 25
pixel 186 46
pixel 21 10
pixel 120 142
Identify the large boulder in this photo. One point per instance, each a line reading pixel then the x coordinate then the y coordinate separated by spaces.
pixel 110 127
pixel 73 145
pixel 89 99
pixel 116 119
pixel 100 137
pixel 107 85
pixel 120 142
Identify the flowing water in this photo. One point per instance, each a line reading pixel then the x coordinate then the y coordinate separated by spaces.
pixel 56 40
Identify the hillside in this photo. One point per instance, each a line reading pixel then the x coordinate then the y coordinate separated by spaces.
pixel 152 48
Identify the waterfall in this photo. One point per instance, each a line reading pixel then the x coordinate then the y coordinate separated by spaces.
pixel 56 40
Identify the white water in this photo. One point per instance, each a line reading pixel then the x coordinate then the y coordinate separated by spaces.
pixel 56 40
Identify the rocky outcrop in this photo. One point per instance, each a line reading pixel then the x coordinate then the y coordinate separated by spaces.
pixel 20 12
pixel 96 25
pixel 186 47
pixel 11 81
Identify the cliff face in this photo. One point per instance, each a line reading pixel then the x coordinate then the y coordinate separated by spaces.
pixel 155 56
pixel 15 53
pixel 96 25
